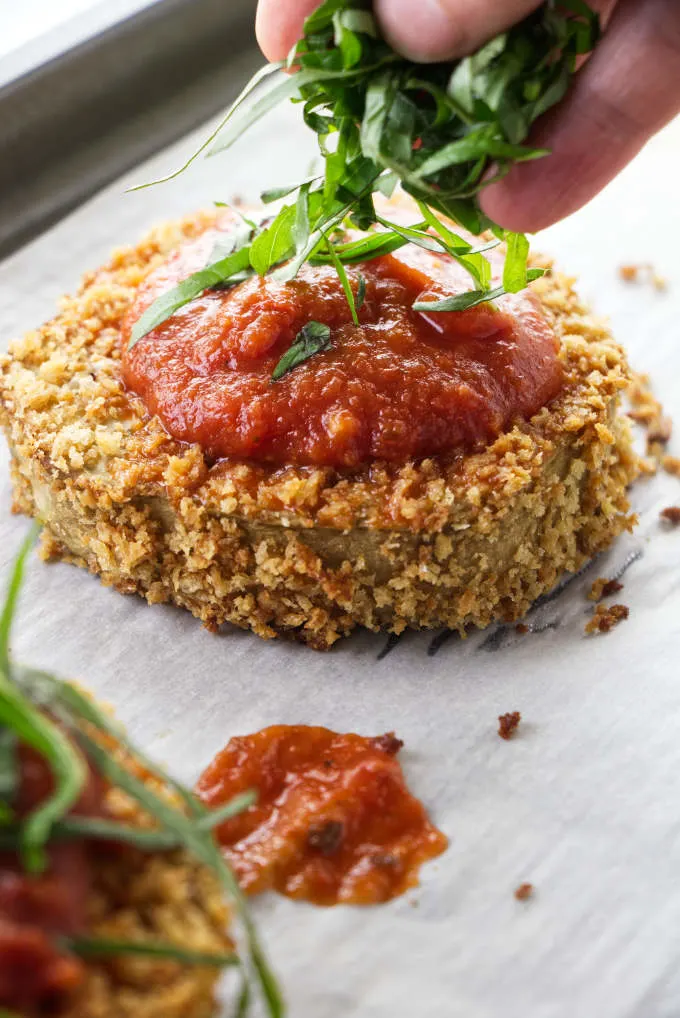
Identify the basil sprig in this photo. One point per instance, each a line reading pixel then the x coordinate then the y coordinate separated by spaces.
pixel 444 131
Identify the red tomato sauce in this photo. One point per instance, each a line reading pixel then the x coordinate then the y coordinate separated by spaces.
pixel 334 821
pixel 401 385
pixel 37 976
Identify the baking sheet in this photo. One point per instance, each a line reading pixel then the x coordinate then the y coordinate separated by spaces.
pixel 87 101
pixel 584 802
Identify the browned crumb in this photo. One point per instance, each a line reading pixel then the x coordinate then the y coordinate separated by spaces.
pixel 648 467
pixel 671 465
pixel 521 628
pixel 605 618
pixel 388 743
pixel 524 891
pixel 648 411
pixel 326 838
pixel 507 723
pixel 671 514
pixel 644 273
pixel 661 431
pixel 602 588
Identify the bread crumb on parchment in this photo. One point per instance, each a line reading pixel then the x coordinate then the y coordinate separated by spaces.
pixel 606 618
pixel 507 724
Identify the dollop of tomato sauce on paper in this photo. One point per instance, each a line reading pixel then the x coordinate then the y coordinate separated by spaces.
pixel 402 384
pixel 334 821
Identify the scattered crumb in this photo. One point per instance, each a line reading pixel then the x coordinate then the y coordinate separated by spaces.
pixel 521 628
pixel 671 464
pixel 326 838
pixel 602 588
pixel 671 514
pixel 388 743
pixel 507 723
pixel 661 431
pixel 605 618
pixel 524 891
pixel 648 466
pixel 643 273
pixel 648 411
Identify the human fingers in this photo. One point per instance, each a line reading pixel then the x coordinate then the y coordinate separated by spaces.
pixel 628 90
pixel 431 30
pixel 278 25
pixel 424 30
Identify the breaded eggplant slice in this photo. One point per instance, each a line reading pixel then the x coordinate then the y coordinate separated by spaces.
pixel 302 550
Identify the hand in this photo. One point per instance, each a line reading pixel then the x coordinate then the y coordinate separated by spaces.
pixel 626 92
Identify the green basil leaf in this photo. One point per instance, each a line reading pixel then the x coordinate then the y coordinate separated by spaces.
pixel 312 339
pixel 344 279
pixel 357 21
pixel 380 95
pixel 436 128
pixel 461 301
pixel 9 774
pixel 168 303
pixel 268 71
pixel 373 245
pixel 276 193
pixel 361 292
pixel 105 947
pixel 515 270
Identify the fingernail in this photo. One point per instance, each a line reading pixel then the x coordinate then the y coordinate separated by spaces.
pixel 422 31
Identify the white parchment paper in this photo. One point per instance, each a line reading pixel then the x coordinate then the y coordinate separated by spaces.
pixel 584 803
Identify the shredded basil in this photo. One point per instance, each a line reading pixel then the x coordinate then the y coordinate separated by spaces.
pixel 312 338
pixel 444 131
pixel 98 947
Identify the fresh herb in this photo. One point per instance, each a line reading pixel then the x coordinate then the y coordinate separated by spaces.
pixel 93 828
pixel 9 774
pixel 230 256
pixel 353 303
pixel 361 292
pixel 312 338
pixel 465 301
pixel 444 131
pixel 66 727
pixel 25 722
pixel 98 947
pixel 244 1000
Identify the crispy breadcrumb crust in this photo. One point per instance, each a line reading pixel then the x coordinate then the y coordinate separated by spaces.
pixel 309 551
pixel 143 896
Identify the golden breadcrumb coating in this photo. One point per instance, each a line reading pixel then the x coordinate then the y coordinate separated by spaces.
pixel 303 550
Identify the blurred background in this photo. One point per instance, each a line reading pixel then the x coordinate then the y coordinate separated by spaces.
pixel 90 88
pixel 30 19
